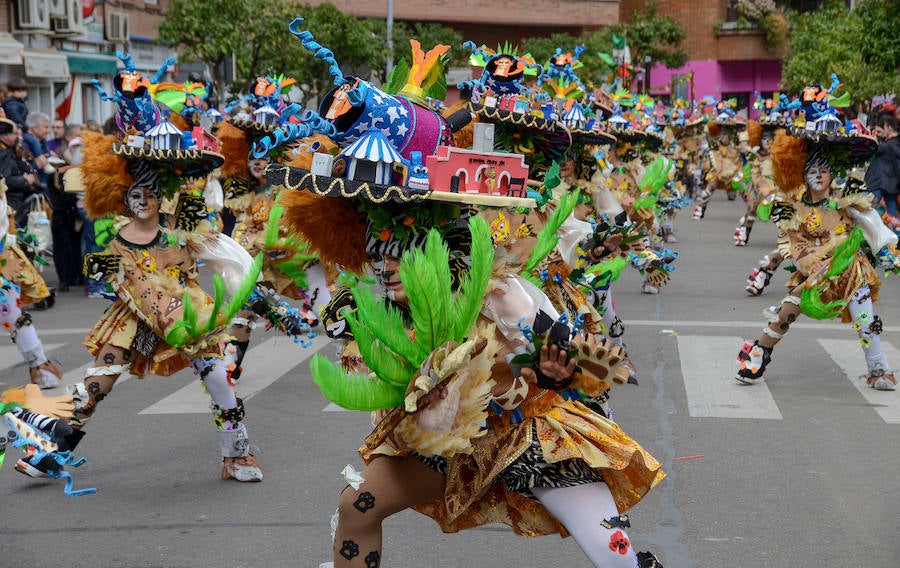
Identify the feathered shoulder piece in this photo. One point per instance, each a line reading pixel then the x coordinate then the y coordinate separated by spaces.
pixel 105 175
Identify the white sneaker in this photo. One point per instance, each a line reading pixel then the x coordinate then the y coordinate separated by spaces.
pixel 45 375
pixel 244 468
pixel 648 288
pixel 882 381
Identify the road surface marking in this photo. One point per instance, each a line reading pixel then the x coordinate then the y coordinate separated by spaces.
pixel 708 364
pixel 264 364
pixel 848 355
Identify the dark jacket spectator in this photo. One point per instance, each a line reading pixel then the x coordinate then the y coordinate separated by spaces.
pixel 883 175
pixel 21 181
pixel 15 105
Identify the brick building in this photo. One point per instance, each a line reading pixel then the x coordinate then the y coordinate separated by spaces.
pixel 725 59
pixel 60 46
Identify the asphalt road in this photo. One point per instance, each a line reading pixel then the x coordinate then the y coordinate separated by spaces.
pixel 800 471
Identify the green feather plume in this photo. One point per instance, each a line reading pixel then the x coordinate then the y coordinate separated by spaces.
pixel 473 285
pixel 429 298
pixel 389 367
pixel 386 324
pixel 218 298
pixel 295 266
pixel 353 391
pixel 655 175
pixel 811 305
pixel 607 271
pixel 844 253
pixel 547 239
pixel 188 329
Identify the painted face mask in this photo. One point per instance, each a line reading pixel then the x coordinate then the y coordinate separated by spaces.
pixel 142 202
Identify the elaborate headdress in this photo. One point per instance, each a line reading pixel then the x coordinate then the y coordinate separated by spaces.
pixel 149 150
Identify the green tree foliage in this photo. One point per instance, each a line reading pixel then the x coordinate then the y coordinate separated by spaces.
pixel 859 45
pixel 648 34
pixel 652 35
pixel 256 32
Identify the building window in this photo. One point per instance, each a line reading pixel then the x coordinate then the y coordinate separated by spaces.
pixel 731 12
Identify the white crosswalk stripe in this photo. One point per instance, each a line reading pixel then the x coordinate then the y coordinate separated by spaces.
pixel 848 355
pixel 266 363
pixel 707 365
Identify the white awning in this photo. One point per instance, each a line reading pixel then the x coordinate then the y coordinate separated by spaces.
pixel 10 50
pixel 48 63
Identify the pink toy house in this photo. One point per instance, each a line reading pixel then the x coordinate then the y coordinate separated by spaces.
pixel 491 173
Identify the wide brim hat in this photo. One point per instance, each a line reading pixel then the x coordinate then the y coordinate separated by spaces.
pixel 7 126
pixel 729 123
pixel 648 140
pixel 850 149
pixel 301 179
pixel 186 163
pixel 547 136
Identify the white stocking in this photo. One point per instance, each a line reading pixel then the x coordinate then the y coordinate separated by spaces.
pixel 25 337
pixel 583 509
pixel 863 313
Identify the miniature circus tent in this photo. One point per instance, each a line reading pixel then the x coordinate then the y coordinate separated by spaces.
pixel 371 158
pixel 574 117
pixel 164 136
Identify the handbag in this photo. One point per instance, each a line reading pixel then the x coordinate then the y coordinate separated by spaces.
pixel 39 223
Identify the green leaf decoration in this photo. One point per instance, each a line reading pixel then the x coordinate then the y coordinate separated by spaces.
pixel 353 391
pixel 551 178
pixel 398 77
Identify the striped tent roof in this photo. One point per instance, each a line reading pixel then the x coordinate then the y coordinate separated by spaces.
pixel 374 146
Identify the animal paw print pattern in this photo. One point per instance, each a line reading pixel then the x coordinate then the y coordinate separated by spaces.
pixel 602 360
pixel 364 502
pixel 618 542
pixel 514 396
pixel 349 549
pixel 373 559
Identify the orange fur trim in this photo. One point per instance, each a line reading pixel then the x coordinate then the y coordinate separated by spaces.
pixel 713 129
pixel 333 227
pixel 464 137
pixel 789 155
pixel 106 176
pixel 754 133
pixel 235 146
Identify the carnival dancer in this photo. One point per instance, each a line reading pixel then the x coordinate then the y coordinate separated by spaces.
pixel 21 284
pixel 434 377
pixel 635 152
pixel 723 158
pixel 289 269
pixel 823 234
pixel 162 321
pixel 761 134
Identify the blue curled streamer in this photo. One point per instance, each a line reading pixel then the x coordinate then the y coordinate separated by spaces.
pixel 320 52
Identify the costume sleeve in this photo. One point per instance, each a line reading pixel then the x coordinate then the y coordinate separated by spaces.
pixel 881 171
pixel 804 253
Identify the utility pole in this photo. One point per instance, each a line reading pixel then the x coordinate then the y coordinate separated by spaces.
pixel 390 38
